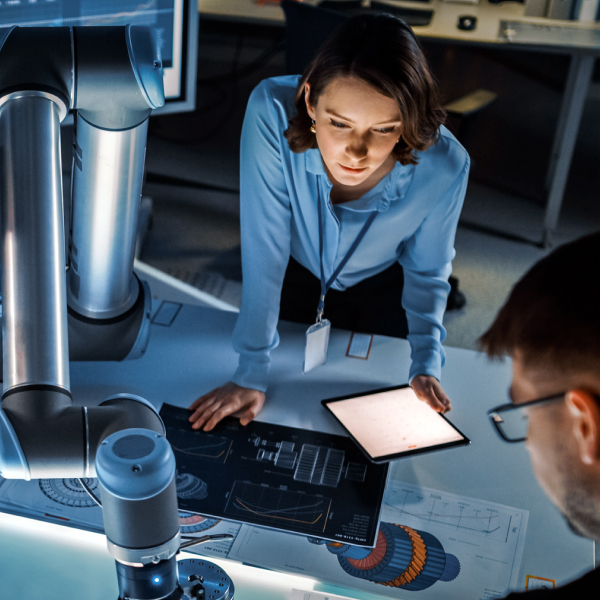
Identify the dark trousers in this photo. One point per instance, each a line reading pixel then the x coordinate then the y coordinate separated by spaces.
pixel 373 305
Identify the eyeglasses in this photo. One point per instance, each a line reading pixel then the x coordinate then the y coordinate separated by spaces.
pixel 511 420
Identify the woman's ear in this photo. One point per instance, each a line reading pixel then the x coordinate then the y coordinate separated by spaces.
pixel 585 413
pixel 309 109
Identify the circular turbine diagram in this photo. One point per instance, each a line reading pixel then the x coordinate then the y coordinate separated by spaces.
pixel 189 486
pixel 191 523
pixel 69 492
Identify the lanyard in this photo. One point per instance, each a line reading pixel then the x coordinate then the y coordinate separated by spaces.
pixel 325 285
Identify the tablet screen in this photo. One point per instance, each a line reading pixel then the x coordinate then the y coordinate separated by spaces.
pixel 393 422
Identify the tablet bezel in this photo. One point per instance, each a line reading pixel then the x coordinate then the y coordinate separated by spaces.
pixel 389 457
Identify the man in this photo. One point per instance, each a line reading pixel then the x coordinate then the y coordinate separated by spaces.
pixel 550 325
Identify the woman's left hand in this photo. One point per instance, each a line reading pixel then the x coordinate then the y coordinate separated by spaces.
pixel 430 390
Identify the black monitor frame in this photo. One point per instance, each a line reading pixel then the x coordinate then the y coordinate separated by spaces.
pixel 186 101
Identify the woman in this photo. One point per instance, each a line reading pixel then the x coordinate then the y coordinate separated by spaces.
pixel 355 146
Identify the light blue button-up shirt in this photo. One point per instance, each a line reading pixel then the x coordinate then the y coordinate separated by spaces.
pixel 279 190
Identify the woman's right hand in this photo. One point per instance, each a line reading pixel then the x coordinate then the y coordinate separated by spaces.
pixel 229 399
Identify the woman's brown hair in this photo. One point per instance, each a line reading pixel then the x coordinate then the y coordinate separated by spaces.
pixel 383 51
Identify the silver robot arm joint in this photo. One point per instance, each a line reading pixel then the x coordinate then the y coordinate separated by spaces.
pixel 98 309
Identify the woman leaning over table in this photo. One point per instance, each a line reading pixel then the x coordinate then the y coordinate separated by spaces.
pixel 357 145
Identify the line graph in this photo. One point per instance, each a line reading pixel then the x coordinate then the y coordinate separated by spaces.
pixel 277 507
pixel 281 513
pixel 433 508
pixel 200 445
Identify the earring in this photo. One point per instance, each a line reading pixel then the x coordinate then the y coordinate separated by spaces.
pixel 313 128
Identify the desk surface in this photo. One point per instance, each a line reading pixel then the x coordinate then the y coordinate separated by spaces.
pixel 194 354
pixel 502 23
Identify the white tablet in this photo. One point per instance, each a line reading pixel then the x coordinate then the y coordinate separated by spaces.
pixel 392 422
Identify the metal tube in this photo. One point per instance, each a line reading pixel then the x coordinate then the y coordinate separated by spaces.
pixel 108 168
pixel 580 74
pixel 33 280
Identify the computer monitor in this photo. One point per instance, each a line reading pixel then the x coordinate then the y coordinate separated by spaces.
pixel 176 22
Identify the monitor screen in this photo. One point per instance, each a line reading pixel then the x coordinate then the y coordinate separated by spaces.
pixel 176 22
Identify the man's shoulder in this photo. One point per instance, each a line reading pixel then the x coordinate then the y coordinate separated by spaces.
pixel 584 588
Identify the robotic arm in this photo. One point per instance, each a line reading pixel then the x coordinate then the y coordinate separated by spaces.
pixel 95 310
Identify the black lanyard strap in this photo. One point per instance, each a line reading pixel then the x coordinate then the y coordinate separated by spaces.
pixel 325 285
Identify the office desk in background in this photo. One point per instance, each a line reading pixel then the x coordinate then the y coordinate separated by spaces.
pixel 500 26
pixel 192 354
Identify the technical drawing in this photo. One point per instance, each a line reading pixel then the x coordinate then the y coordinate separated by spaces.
pixel 191 523
pixel 200 447
pixel 320 465
pixel 189 486
pixel 403 557
pixel 281 454
pixel 69 492
pixel 356 471
pixel 464 516
pixel 317 465
pixel 274 506
pixel 277 477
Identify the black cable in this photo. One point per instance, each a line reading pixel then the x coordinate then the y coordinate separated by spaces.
pixel 233 99
pixel 232 77
pixel 159 179
pixel 202 540
pixel 88 489
pixel 210 105
pixel 259 61
pixel 234 92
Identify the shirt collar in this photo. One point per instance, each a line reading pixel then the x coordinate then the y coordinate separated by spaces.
pixel 314 162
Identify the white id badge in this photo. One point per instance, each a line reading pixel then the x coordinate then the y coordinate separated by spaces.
pixel 317 340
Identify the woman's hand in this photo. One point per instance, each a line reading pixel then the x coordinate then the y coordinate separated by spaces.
pixel 430 390
pixel 229 399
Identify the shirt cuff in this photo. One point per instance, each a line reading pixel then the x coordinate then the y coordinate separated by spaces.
pixel 427 362
pixel 252 374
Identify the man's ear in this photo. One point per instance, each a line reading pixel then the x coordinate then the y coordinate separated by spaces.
pixel 585 413
pixel 309 109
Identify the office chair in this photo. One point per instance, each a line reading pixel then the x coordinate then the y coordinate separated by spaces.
pixel 306 28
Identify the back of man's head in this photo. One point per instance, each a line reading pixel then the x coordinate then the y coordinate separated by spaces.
pixel 552 315
pixel 550 325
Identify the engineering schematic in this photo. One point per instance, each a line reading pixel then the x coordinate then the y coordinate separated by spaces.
pixel 70 493
pixel 280 477
pixel 403 557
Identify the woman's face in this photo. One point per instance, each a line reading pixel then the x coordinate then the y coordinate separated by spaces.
pixel 357 129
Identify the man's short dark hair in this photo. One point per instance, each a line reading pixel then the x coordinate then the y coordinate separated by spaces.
pixel 552 315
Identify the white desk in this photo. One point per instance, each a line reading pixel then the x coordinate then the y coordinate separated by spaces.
pixel 499 26
pixel 442 25
pixel 194 355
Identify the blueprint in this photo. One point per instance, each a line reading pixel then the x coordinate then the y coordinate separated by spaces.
pixel 64 501
pixel 438 544
pixel 279 477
